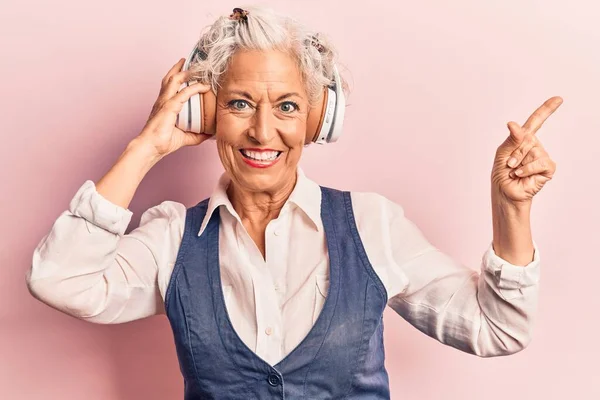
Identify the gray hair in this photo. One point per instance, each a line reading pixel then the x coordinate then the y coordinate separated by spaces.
pixel 263 29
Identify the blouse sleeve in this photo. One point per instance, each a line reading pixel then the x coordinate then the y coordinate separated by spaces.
pixel 87 267
pixel 486 312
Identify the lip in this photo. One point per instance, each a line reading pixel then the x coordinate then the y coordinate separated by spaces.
pixel 257 149
pixel 260 164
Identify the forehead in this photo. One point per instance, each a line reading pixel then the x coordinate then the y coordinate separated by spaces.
pixel 262 69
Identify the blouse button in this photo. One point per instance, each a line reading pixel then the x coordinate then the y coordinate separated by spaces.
pixel 277 232
pixel 269 330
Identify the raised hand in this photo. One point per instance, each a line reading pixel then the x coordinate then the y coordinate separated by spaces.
pixel 160 129
pixel 522 166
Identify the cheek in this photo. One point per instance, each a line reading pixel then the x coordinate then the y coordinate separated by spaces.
pixel 293 131
pixel 231 130
pixel 230 127
pixel 227 135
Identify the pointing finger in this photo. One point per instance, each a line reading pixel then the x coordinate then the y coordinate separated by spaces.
pixel 535 121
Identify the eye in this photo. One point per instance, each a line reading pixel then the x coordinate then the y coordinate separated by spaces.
pixel 238 105
pixel 288 106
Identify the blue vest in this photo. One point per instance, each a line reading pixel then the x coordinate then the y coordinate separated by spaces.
pixel 341 357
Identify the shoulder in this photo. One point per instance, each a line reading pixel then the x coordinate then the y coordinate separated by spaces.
pixel 383 223
pixel 162 224
pixel 367 202
pixel 371 205
pixel 166 212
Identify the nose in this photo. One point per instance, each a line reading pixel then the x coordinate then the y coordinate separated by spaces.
pixel 262 129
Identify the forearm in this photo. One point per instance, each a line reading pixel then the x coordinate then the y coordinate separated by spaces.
pixel 120 183
pixel 512 239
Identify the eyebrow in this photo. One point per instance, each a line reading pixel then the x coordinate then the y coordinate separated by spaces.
pixel 249 96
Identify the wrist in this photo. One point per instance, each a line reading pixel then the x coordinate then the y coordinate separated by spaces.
pixel 144 150
pixel 508 206
pixel 119 184
pixel 512 238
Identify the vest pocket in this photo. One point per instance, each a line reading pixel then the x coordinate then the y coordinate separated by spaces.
pixel 321 288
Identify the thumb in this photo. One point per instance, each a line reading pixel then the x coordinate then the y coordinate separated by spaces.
pixel 517 134
pixel 194 139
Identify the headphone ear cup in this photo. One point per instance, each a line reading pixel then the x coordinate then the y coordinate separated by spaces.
pixel 326 121
pixel 208 110
pixel 195 106
pixel 314 120
pixel 340 109
pixel 198 113
pixel 201 110
pixel 183 118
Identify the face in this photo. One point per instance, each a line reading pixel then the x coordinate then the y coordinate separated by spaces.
pixel 262 107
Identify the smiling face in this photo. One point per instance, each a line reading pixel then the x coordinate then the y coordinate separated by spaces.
pixel 261 117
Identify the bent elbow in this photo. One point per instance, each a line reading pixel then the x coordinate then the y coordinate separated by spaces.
pixel 503 345
pixel 52 294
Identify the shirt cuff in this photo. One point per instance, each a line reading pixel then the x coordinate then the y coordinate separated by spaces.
pixel 510 276
pixel 97 210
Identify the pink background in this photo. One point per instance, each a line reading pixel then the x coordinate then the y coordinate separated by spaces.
pixel 434 84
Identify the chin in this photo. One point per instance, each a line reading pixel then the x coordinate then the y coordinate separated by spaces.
pixel 262 181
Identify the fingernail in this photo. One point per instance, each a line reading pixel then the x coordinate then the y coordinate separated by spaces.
pixel 512 162
pixel 519 171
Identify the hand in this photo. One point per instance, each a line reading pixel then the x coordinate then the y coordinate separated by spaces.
pixel 518 180
pixel 160 130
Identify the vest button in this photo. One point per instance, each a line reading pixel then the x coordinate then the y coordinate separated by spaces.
pixel 273 380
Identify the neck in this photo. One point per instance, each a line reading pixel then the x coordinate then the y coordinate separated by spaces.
pixel 258 208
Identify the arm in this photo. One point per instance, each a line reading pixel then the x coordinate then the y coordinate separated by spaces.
pixel 489 312
pixel 86 267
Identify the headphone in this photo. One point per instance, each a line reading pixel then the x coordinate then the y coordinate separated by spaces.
pixel 323 125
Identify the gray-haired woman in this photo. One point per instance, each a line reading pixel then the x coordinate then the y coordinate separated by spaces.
pixel 275 286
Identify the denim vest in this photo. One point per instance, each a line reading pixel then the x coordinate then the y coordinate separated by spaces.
pixel 342 356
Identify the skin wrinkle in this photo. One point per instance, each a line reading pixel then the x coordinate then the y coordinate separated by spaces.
pixel 268 79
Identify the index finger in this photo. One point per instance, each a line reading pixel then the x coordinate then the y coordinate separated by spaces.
pixel 174 69
pixel 539 116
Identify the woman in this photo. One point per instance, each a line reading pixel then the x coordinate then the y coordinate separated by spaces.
pixel 275 286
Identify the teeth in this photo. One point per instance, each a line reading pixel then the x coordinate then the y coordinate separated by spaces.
pixel 261 155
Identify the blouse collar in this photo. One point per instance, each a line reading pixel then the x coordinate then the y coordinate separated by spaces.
pixel 306 196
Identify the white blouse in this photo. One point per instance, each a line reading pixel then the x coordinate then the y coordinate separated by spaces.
pixel 88 268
